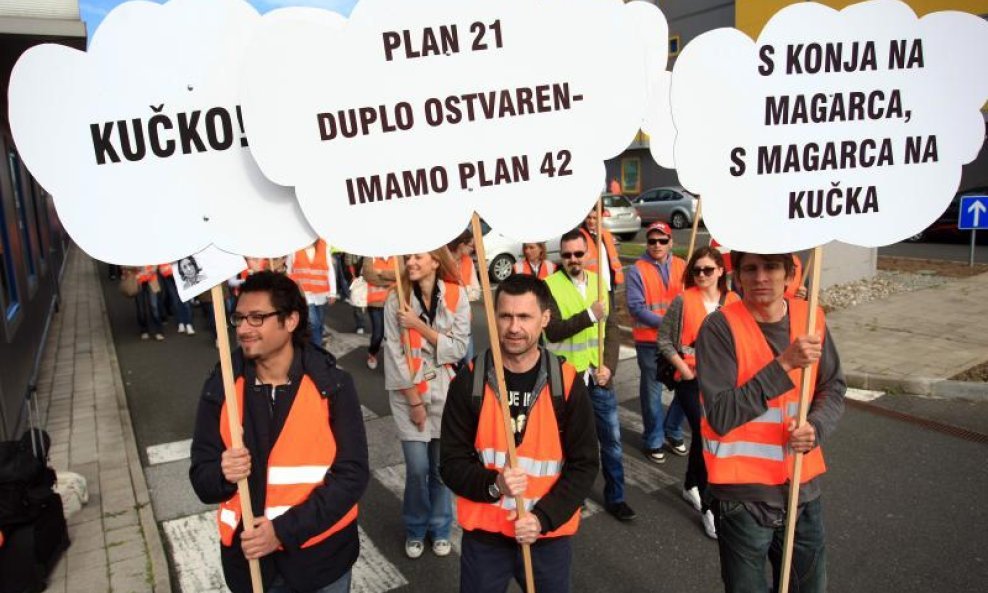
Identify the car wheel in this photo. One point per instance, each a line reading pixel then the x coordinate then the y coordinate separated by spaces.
pixel 501 267
pixel 916 238
pixel 679 220
pixel 627 236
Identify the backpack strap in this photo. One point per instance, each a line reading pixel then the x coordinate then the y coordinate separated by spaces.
pixel 479 376
pixel 556 388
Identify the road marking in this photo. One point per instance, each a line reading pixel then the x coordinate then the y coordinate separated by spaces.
pixel 168 452
pixel 863 395
pixel 368 413
pixel 630 421
pixel 342 343
pixel 627 352
pixel 196 557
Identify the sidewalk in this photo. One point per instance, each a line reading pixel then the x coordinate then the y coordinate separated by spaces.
pixel 914 342
pixel 115 541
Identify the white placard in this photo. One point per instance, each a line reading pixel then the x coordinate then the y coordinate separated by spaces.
pixel 396 128
pixel 140 139
pixel 198 273
pixel 850 125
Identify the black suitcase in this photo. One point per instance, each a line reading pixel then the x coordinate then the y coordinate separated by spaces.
pixel 30 551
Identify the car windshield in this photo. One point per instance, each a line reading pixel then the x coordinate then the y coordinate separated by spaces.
pixel 616 202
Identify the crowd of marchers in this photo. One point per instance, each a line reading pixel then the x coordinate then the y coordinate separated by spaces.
pixel 724 332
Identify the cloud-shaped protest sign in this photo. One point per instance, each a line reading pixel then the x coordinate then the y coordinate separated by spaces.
pixel 658 122
pixel 849 125
pixel 140 140
pixel 395 129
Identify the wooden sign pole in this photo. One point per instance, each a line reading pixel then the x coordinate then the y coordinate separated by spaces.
pixel 601 254
pixel 696 225
pixel 804 404
pixel 526 550
pixel 236 430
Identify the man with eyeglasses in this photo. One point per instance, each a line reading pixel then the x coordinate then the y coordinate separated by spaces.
pixel 750 358
pixel 577 313
pixel 304 455
pixel 653 282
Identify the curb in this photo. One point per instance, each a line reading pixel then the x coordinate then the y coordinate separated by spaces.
pixel 152 536
pixel 943 388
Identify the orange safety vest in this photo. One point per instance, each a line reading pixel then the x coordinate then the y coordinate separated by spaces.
pixel 378 294
pixel 757 452
pixel 590 262
pixel 658 296
pixel 540 455
pixel 451 298
pixel 146 274
pixel 694 313
pixel 467 274
pixel 525 267
pixel 311 276
pixel 297 464
pixel 797 279
pixel 166 270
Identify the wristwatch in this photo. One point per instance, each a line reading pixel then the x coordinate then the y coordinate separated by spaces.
pixel 493 491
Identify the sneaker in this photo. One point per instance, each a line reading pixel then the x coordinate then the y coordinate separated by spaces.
pixel 181 328
pixel 708 524
pixel 676 446
pixel 360 331
pixel 371 362
pixel 692 496
pixel 656 455
pixel 145 336
pixel 159 337
pixel 621 511
pixel 189 331
pixel 442 547
pixel 414 548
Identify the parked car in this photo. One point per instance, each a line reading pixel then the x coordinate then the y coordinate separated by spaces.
pixel 945 227
pixel 502 252
pixel 673 205
pixel 620 217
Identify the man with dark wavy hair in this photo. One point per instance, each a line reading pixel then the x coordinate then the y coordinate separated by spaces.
pixel 304 451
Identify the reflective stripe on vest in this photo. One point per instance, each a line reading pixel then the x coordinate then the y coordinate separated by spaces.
pixel 378 294
pixel 591 262
pixel 540 454
pixel 312 276
pixel 758 452
pixel 413 345
pixel 298 462
pixel 657 295
pixel 580 349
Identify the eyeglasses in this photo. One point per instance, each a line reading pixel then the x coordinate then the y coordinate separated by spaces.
pixel 662 241
pixel 253 319
pixel 572 254
pixel 704 271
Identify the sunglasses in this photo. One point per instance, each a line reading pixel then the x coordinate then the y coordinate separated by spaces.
pixel 572 254
pixel 657 241
pixel 704 271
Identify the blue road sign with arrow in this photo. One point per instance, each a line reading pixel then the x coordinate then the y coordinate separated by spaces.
pixel 973 213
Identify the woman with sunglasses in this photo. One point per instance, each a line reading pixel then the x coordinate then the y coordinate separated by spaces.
pixel 425 336
pixel 705 291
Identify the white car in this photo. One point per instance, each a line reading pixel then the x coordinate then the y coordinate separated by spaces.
pixel 502 252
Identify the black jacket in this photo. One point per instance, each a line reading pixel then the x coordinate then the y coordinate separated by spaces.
pixel 303 569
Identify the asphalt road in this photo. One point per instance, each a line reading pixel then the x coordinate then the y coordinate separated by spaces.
pixel 903 503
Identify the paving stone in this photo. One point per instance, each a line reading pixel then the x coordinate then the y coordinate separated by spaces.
pixel 86 560
pixel 93 579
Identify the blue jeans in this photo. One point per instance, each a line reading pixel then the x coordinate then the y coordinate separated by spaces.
pixel 488 566
pixel 609 435
pixel 657 423
pixel 340 585
pixel 317 314
pixel 745 544
pixel 147 308
pixel 183 311
pixel 377 329
pixel 427 508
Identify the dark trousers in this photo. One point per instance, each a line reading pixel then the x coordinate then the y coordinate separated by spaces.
pixel 147 307
pixel 745 544
pixel 688 397
pixel 377 329
pixel 488 567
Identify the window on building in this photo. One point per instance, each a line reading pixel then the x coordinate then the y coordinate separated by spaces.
pixel 16 180
pixel 40 223
pixel 9 301
pixel 631 181
pixel 673 45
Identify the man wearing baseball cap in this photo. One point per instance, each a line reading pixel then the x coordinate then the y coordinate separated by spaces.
pixel 652 283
